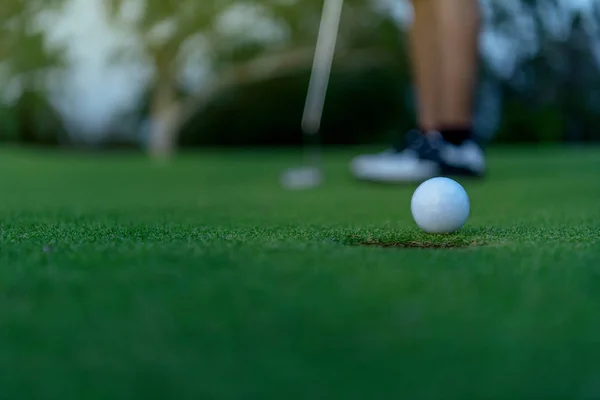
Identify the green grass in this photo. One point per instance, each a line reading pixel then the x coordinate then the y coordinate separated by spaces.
pixel 205 280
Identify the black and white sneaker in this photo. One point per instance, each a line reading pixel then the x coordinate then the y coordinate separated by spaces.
pixel 420 158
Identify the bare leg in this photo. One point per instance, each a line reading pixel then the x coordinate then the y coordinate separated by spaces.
pixel 443 40
pixel 457 29
pixel 425 58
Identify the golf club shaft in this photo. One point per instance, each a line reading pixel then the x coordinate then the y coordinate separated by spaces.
pixel 321 68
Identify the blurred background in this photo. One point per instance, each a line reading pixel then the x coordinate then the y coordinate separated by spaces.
pixel 158 75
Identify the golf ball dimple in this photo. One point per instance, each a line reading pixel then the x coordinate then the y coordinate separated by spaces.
pixel 440 205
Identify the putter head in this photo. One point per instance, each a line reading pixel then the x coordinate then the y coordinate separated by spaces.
pixel 302 178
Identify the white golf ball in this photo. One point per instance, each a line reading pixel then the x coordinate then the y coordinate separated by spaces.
pixel 440 205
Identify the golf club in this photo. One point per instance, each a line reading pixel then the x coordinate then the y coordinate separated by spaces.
pixel 311 174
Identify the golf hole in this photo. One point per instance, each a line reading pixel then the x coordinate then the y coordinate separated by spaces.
pixel 417 245
pixel 436 242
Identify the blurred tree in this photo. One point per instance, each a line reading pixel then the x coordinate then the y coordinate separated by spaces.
pixel 548 95
pixel 165 29
pixel 26 61
pixel 580 72
pixel 161 28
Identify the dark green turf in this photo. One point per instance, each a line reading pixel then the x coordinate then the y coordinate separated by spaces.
pixel 205 280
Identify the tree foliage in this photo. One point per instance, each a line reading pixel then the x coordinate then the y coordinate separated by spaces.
pixel 24 51
pixel 25 61
pixel 550 94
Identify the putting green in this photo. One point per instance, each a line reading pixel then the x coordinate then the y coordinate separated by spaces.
pixel 205 279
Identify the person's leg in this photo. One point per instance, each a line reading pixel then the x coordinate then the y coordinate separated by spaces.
pixel 444 58
pixel 458 23
pixel 425 61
